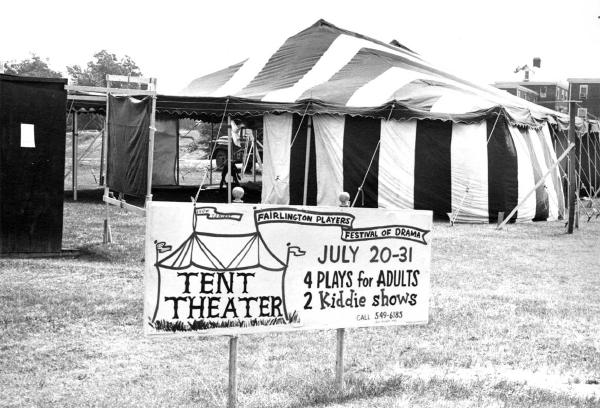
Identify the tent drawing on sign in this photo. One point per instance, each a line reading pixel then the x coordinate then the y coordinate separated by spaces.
pixel 225 266
pixel 345 112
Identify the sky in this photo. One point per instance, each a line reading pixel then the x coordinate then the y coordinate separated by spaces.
pixel 176 41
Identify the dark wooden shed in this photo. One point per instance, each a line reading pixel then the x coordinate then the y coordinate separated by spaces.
pixel 32 162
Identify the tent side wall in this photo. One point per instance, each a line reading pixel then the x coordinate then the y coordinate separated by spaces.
pixel 473 171
pixel 31 170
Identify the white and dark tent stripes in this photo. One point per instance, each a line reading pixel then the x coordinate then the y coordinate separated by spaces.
pixel 472 170
pixel 388 128
pixel 342 68
pixel 212 82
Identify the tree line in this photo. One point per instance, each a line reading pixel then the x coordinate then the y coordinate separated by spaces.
pixel 93 74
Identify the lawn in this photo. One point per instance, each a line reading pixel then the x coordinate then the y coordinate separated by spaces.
pixel 514 322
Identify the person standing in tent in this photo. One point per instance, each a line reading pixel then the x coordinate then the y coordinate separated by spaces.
pixel 235 172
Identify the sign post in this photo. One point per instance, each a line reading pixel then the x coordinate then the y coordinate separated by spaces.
pixel 339 350
pixel 232 389
pixel 339 360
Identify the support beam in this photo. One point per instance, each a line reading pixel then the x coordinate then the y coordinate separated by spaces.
pixel 108 89
pixel 123 204
pixel 538 184
pixel 130 79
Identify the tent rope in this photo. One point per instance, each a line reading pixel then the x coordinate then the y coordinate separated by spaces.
pixel 300 125
pixel 359 191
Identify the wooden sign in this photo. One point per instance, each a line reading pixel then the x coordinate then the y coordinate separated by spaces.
pixel 240 268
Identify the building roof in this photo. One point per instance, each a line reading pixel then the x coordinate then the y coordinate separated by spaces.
pixel 525 83
pixel 584 80
pixel 519 87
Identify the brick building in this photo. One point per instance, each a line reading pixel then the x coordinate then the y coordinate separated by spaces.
pixel 586 90
pixel 549 94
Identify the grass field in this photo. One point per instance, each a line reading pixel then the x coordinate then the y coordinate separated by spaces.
pixel 514 322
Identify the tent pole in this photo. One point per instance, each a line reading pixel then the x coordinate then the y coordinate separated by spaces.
pixel 75 162
pixel 102 149
pixel 578 177
pixel 539 183
pixel 151 143
pixel 229 175
pixel 587 142
pixel 596 146
pixel 107 235
pixel 177 152
pixel 307 159
pixel 253 133
pixel 211 150
pixel 572 164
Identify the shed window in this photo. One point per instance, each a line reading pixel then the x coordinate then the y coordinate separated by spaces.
pixel 27 135
pixel 583 91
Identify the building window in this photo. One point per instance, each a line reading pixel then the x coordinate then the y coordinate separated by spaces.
pixel 583 91
pixel 27 135
pixel 543 91
pixel 582 112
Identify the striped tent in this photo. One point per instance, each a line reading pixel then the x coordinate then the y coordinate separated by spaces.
pixel 391 129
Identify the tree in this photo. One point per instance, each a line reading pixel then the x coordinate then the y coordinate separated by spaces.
pixel 104 63
pixel 32 67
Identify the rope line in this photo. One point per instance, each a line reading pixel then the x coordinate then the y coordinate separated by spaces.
pixel 359 190
pixel 299 126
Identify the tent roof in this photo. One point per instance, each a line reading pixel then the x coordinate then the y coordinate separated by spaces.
pixel 351 72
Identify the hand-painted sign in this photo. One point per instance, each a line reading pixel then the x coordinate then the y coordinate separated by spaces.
pixel 222 269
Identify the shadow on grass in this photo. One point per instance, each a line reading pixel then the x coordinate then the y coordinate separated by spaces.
pixel 508 393
pixel 111 253
pixel 95 252
pixel 359 387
